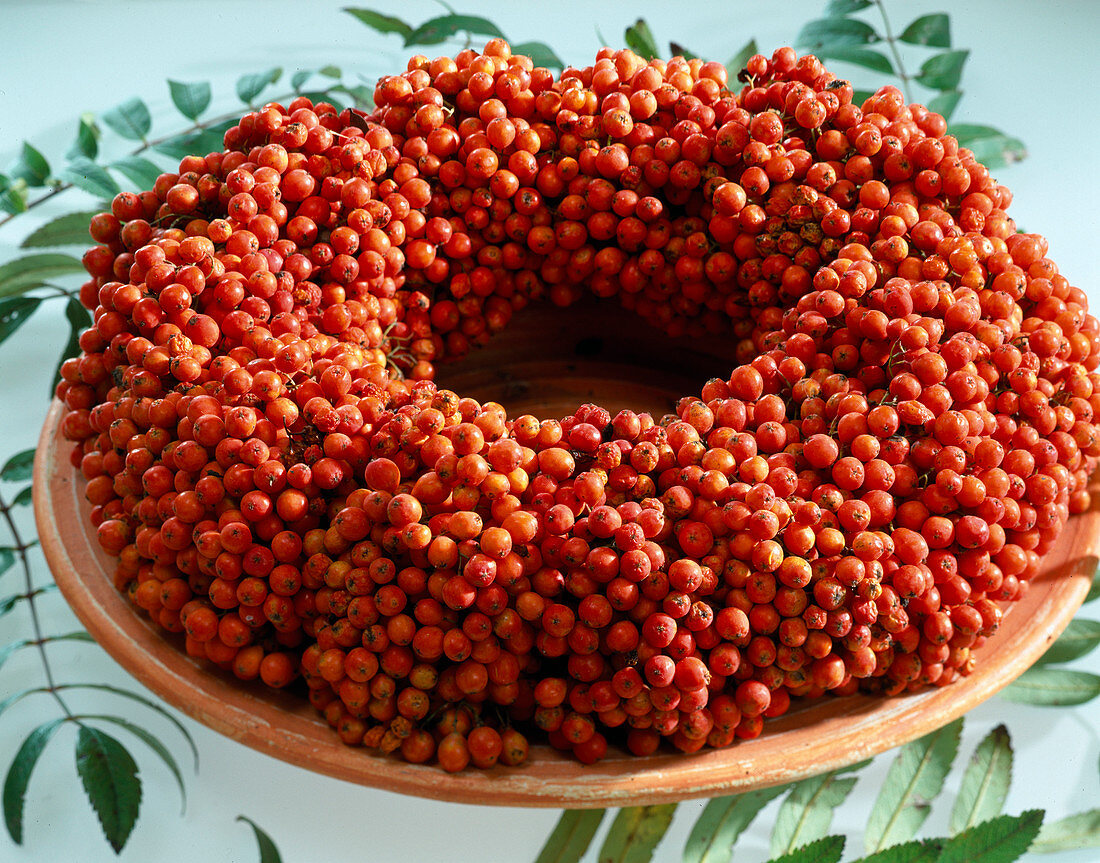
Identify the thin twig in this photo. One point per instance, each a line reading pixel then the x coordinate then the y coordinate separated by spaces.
pixel 39 639
pixel 892 41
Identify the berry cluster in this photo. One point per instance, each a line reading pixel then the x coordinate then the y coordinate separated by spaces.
pixel 909 426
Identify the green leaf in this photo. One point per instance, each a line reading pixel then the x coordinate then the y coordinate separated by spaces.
pixel 915 851
pixel 858 56
pixel 825 850
pixel 16 311
pixel 209 140
pixel 807 812
pixel 123 693
pixel 998 151
pixel 737 61
pixel 268 852
pixel 19 776
pixel 945 103
pixel 835 32
pixel 985 783
pixel 79 320
pixel 30 166
pixel 299 78
pixel 138 170
pixel 1079 639
pixel 932 30
pixel 92 178
pixel 999 840
pixel 14 200
pixel 87 139
pixel 943 71
pixel 130 120
pixel 24 498
pixel 381 23
pixel 250 86
pixel 330 72
pixel 436 30
pixel 152 742
pixel 1053 687
pixel 840 8
pixel 723 820
pixel 361 93
pixel 20 695
pixel 68 230
pixel 1077 831
pixel 110 780
pixel 12 647
pixel 9 602
pixel 639 39
pixel 7 557
pixel 18 467
pixel 540 53
pixel 679 50
pixel 572 835
pixel 914 779
pixel 635 833
pixel 191 99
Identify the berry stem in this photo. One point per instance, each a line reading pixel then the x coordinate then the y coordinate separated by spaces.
pixel 893 43
pixel 40 640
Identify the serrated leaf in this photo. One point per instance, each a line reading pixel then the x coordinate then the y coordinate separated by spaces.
pixel 985 783
pixel 864 57
pixel 1077 831
pixel 129 120
pixel 835 33
pixel 945 103
pixel 639 39
pixel 19 776
pixel 943 71
pixel 635 833
pixel 152 742
pixel 571 836
pixel 932 30
pixel 998 150
pixel 24 498
pixel 68 230
pixel 540 53
pixel 723 820
pixel 7 558
pixel 16 311
pixel 110 778
pixel 840 8
pixel 737 61
pixel 436 30
pixel 825 850
pixel 268 852
pixel 190 98
pixel 1000 840
pixel 299 78
pixel 914 779
pixel 250 86
pixel 133 696
pixel 807 812
pixel 87 139
pixel 18 467
pixel 79 320
pixel 381 23
pixel 915 851
pixel 92 178
pixel 138 170
pixel 1053 687
pixel 1078 639
pixel 30 166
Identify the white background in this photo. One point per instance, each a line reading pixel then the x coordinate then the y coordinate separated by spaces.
pixel 1031 72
